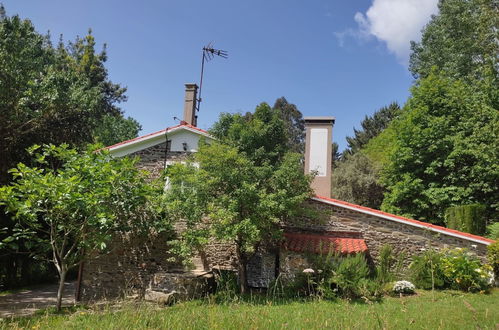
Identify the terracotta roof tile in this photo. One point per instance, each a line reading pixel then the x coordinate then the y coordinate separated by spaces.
pixel 315 243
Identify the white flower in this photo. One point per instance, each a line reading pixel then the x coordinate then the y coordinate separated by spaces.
pixel 404 287
pixel 308 271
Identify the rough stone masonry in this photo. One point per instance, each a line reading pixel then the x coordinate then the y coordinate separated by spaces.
pixel 132 265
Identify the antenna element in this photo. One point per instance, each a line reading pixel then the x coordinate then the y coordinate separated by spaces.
pixel 208 53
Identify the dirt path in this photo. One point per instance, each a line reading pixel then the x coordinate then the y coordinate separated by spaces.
pixel 27 302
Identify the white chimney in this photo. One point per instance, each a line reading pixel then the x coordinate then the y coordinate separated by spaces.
pixel 190 104
pixel 318 149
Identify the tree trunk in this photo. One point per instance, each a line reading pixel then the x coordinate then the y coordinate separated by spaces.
pixel 241 270
pixel 60 290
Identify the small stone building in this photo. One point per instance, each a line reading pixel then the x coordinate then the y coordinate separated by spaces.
pixel 141 263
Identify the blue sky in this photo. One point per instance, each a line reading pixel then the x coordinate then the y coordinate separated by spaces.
pixel 337 58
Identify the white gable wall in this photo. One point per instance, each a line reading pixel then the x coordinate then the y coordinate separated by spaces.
pixel 179 138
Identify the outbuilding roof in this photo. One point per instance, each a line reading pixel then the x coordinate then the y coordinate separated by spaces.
pixel 323 243
pixel 407 221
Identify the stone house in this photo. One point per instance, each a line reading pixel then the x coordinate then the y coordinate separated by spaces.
pixel 140 264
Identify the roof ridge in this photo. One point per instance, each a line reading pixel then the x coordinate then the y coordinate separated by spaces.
pixel 164 130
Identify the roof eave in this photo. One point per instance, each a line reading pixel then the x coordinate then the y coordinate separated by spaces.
pixel 148 137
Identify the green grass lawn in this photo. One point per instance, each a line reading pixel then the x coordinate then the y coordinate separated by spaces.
pixel 443 310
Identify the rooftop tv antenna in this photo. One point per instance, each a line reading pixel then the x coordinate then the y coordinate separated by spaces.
pixel 208 53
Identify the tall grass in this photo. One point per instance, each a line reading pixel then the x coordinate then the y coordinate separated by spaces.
pixel 450 310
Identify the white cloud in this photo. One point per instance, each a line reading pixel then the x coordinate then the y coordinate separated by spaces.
pixel 396 22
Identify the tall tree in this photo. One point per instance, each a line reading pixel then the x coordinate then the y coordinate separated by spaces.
pixel 356 177
pixel 50 94
pixel 246 185
pixel 294 123
pixel 293 130
pixel 114 129
pixel 335 154
pixel 356 180
pixel 445 151
pixel 233 199
pixel 372 126
pixel 261 135
pixel 72 204
pixel 461 41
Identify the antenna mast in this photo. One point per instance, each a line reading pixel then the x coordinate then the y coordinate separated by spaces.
pixel 208 53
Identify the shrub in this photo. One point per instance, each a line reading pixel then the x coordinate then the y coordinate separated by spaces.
pixel 426 270
pixel 464 271
pixel 455 269
pixel 303 284
pixel 350 275
pixel 370 290
pixel 333 276
pixel 493 231
pixel 468 218
pixel 386 262
pixel 403 287
pixel 493 257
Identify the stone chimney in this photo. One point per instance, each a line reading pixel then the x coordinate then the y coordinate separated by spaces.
pixel 318 157
pixel 190 116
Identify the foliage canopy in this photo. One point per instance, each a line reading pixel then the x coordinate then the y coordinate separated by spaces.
pixel 243 188
pixel 70 205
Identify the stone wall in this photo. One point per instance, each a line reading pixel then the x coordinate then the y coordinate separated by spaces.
pixel 291 264
pixel 153 158
pixel 376 231
pixel 131 265
pixel 219 255
pixel 127 268
pixel 262 270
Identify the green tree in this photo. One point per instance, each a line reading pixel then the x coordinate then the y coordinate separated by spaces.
pixel 294 124
pixel 114 129
pixel 246 186
pixel 72 204
pixel 51 94
pixel 356 180
pixel 232 199
pixel 282 125
pixel 461 41
pixel 336 155
pixel 372 126
pixel 445 151
pixel 261 135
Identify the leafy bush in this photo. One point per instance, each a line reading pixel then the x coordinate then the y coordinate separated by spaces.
pixel 493 231
pixel 350 275
pixel 464 271
pixel 318 283
pixel 403 287
pixel 386 262
pixel 335 276
pixel 493 257
pixel 370 290
pixel 455 269
pixel 426 270
pixel 468 218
